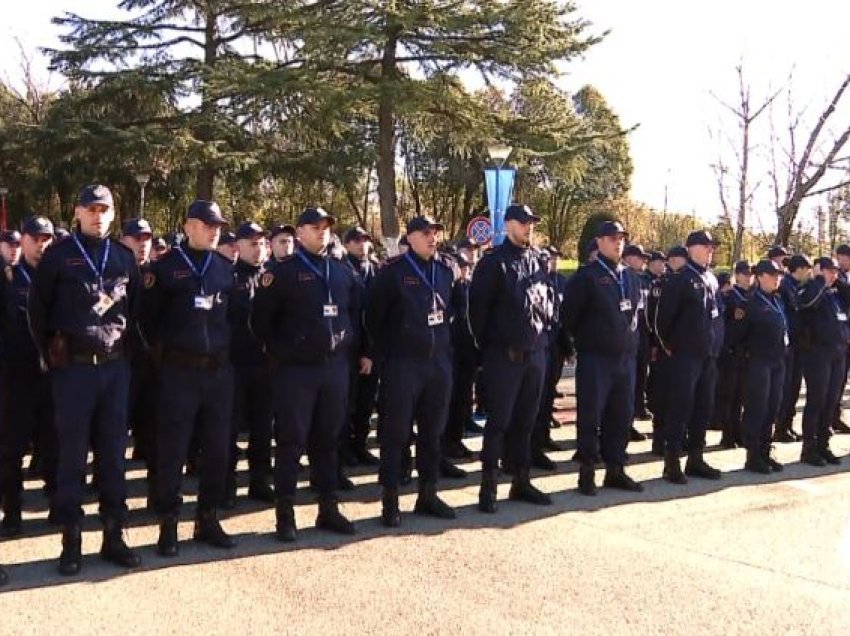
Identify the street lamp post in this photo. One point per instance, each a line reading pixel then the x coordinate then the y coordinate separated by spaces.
pixel 142 179
pixel 501 192
pixel 4 220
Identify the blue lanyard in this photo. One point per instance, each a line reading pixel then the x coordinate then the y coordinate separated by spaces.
pixel 709 293
pixel 737 293
pixel 620 280
pixel 775 306
pixel 326 279
pixel 431 284
pixel 198 274
pixel 97 271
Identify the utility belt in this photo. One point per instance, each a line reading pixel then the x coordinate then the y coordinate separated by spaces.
pixel 518 355
pixel 63 350
pixel 192 360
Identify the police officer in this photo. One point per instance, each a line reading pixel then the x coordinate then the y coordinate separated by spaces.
pixel 82 303
pixel 655 384
pixel 252 400
pixel 689 326
pixel 282 241
pixel 28 409
pixel 10 247
pixel 602 313
pixel 364 386
pixel 186 307
pixel 799 272
pixel 306 315
pixel 409 319
pixel 511 303
pixel 636 259
pixel 677 257
pixel 761 328
pixel 824 304
pixel 732 361
pixel 842 256
pixel 227 247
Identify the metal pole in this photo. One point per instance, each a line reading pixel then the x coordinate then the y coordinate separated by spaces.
pixel 142 204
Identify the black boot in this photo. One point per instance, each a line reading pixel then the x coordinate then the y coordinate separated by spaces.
pixel 774 465
pixel 697 467
pixel 343 482
pixel 71 559
pixel 784 435
pixel 657 447
pixel 330 518
pixel 811 456
pixel 539 459
pixel 11 525
pixel 756 463
pixel 450 471
pixel 208 530
pixel 587 479
pixel 523 490
pixel 428 503
pixel 114 549
pixel 259 488
pixel 828 455
pixel 363 456
pixel 167 545
pixel 4 577
pixel 673 469
pixel 285 529
pixel 635 435
pixel 487 492
pixel 390 515
pixel 616 477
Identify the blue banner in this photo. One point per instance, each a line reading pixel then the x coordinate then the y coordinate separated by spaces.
pixel 500 191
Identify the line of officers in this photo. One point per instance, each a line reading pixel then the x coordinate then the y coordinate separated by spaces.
pixel 198 343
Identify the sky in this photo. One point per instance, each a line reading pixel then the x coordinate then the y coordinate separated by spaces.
pixel 662 67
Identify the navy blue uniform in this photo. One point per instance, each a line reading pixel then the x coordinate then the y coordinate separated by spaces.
pixel 511 304
pixel 824 337
pixel 28 415
pixel 143 391
pixel 602 313
pixel 762 332
pixel 465 364
pixel 644 279
pixel 252 400
pixel 83 302
pixel 788 290
pixel 658 362
pixel 689 326
pixel 731 370
pixel 186 314
pixel 306 315
pixel 408 319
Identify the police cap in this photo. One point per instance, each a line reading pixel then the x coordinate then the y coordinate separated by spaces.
pixel 798 261
pixel 635 249
pixel 136 227
pixel 422 223
pixel 826 262
pixel 522 213
pixel 227 238
pixel 37 226
pixel 767 266
pixel 843 250
pixel 612 228
pixel 10 236
pixel 249 230
pixel 208 212
pixel 701 237
pixel 314 216
pixel 776 251
pixel 282 228
pixel 655 255
pixel 355 234
pixel 743 267
pixel 95 194
pixel 677 250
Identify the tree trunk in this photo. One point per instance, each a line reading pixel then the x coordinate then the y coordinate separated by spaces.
pixel 387 140
pixel 205 180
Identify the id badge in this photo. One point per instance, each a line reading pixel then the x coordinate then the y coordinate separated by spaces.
pixel 842 317
pixel 786 340
pixel 715 313
pixel 104 302
pixel 330 311
pixel 625 305
pixel 435 318
pixel 204 303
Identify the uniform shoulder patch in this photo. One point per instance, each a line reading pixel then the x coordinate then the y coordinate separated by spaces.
pixel 149 279
pixel 267 279
pixel 739 313
pixel 9 273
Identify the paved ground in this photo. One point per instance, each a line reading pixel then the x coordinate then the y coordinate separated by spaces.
pixel 745 555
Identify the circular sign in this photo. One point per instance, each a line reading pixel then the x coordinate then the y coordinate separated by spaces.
pixel 480 230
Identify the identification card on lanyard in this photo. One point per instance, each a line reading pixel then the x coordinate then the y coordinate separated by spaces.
pixel 625 303
pixel 435 316
pixel 202 301
pixel 775 306
pixel 104 301
pixel 329 309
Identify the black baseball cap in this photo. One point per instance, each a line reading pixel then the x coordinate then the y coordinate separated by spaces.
pixel 798 261
pixel 465 243
pixel 767 266
pixel 655 255
pixel 422 223
pixel 227 238
pixel 10 236
pixel 826 262
pixel 95 194
pixel 160 244
pixel 635 249
pixel 314 216
pixel 249 230
pixel 356 233
pixel 743 267
pixel 282 228
pixel 843 250
pixel 136 227
pixel 206 211
pixel 37 226
pixel 701 237
pixel 677 250
pixel 522 213
pixel 723 278
pixel 612 228
pixel 777 250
